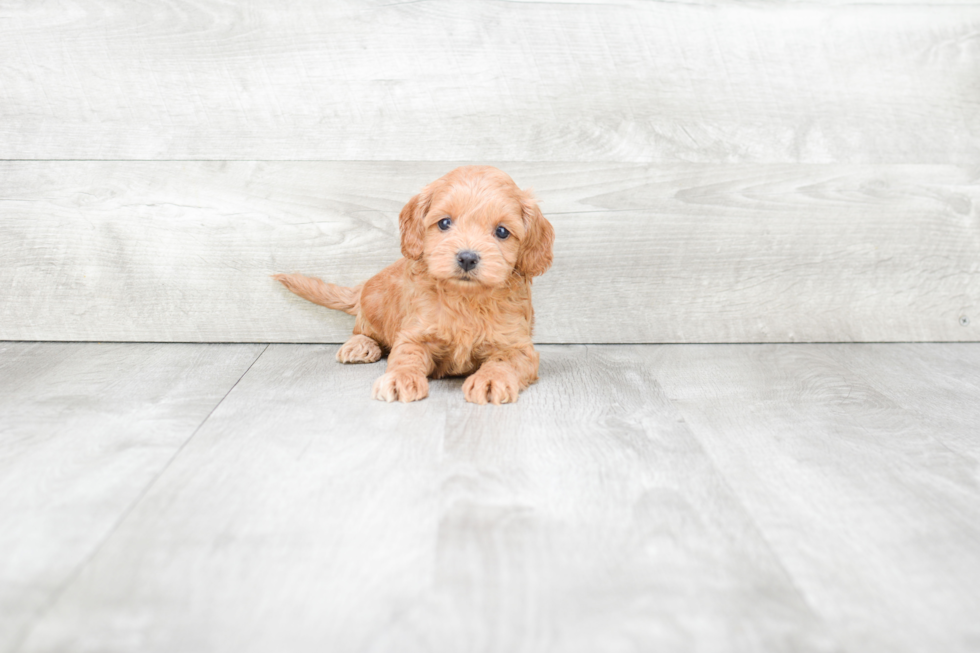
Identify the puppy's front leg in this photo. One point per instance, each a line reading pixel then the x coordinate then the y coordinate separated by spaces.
pixel 502 376
pixel 409 365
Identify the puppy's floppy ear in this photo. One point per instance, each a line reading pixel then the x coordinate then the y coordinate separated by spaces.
pixel 410 224
pixel 535 255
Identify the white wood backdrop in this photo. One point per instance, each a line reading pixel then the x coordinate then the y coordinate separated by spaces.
pixel 716 171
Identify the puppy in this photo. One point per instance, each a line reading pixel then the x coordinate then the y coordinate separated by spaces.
pixel 459 302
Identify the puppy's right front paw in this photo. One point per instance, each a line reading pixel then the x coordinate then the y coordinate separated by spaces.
pixel 359 349
pixel 400 386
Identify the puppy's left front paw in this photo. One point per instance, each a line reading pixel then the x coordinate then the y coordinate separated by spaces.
pixel 497 387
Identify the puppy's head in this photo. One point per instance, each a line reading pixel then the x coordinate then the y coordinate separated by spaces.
pixel 474 227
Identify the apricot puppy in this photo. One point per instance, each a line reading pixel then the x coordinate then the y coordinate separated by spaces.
pixel 459 302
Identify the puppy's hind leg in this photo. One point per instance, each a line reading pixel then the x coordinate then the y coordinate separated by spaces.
pixel 359 349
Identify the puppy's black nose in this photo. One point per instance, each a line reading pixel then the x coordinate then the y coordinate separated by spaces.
pixel 467 259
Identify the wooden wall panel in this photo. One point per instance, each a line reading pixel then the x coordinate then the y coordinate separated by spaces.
pixel 435 81
pixel 181 251
pixel 716 171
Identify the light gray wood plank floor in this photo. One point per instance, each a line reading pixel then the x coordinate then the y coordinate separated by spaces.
pixel 675 497
pixel 85 429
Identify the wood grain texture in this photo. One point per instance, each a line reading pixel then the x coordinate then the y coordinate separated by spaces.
pixel 304 516
pixel 939 385
pixel 84 430
pixel 875 518
pixel 544 81
pixel 181 251
pixel 691 498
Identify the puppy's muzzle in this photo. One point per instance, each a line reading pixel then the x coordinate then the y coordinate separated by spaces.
pixel 467 259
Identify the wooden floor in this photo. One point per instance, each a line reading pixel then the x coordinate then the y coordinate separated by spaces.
pixel 638 498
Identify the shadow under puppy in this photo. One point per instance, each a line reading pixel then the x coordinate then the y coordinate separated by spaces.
pixel 459 302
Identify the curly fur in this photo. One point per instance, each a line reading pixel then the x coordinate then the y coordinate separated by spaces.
pixel 433 317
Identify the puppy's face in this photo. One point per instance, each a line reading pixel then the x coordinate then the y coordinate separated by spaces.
pixel 474 227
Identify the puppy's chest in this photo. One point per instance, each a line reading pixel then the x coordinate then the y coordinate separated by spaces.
pixel 468 337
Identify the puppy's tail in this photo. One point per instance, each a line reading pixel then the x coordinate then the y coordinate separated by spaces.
pixel 319 292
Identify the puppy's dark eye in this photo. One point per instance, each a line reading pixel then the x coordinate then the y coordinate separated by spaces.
pixel 444 223
pixel 501 233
